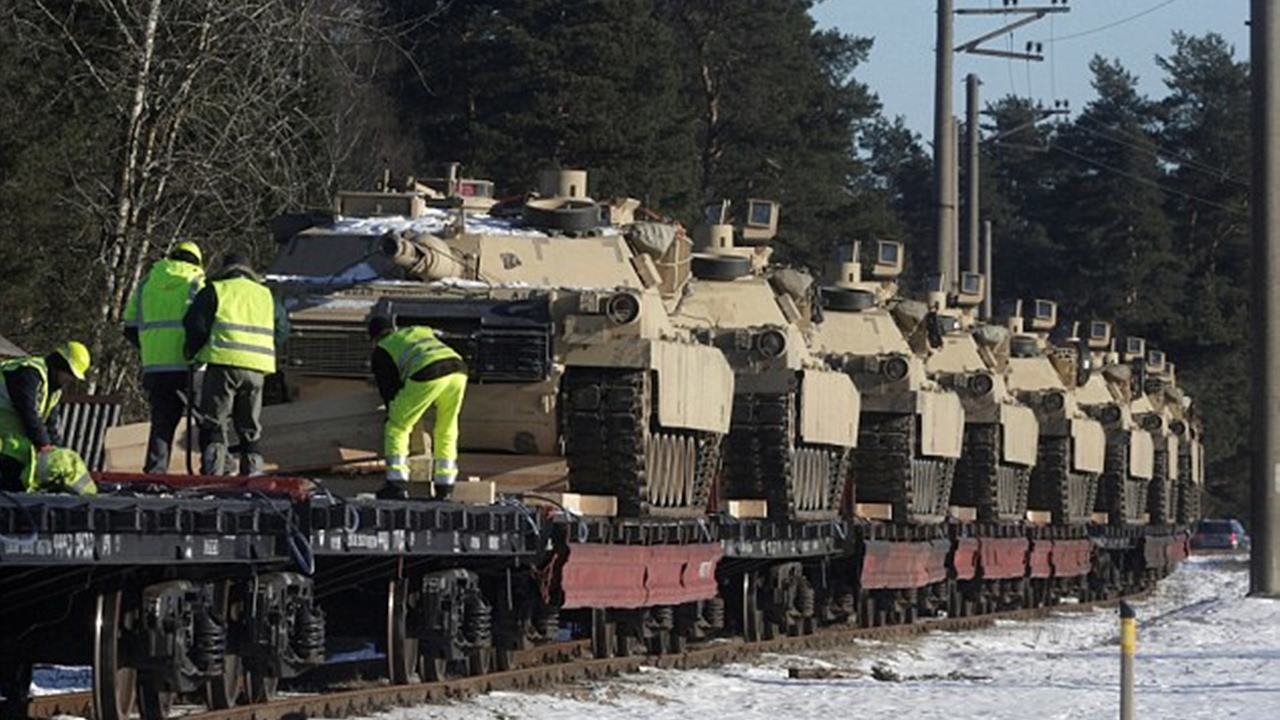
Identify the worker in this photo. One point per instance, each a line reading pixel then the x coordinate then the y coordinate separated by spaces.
pixel 29 397
pixel 153 323
pixel 414 371
pixel 234 325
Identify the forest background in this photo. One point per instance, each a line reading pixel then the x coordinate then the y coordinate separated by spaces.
pixel 126 125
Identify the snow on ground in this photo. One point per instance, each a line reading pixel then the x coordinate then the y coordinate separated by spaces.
pixel 1204 651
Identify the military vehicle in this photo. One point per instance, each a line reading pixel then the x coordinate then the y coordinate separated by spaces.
pixel 1107 396
pixel 794 419
pixel 558 304
pixel 1072 446
pixel 1001 434
pixel 1163 410
pixel 911 428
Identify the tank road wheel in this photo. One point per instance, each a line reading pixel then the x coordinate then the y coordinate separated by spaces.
pixel 614 446
pixel 892 470
pixel 403 653
pixel 114 681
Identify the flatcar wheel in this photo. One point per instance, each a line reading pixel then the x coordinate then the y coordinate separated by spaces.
pixel 435 669
pixel 402 649
pixel 480 661
pixel 154 702
pixel 225 691
pixel 262 688
pixel 113 681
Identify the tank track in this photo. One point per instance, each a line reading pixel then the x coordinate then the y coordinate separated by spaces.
pixel 891 469
pixel 1159 505
pixel 996 488
pixel 1122 497
pixel 1188 493
pixel 1069 495
pixel 762 447
pixel 613 445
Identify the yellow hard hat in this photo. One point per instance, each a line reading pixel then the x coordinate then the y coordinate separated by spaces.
pixel 77 357
pixel 190 248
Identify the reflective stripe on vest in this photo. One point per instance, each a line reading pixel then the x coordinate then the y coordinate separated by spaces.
pixel 10 420
pixel 414 348
pixel 243 333
pixel 163 299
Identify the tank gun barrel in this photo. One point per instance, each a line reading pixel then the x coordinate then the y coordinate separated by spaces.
pixel 425 257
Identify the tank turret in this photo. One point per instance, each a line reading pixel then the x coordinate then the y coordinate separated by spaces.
pixel 911 428
pixel 1072 446
pixel 561 315
pixel 794 419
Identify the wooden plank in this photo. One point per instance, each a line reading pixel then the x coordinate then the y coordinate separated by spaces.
pixel 474 492
pixel 1039 517
pixel 749 508
pixel 874 511
pixel 963 513
pixel 1098 518
pixel 589 505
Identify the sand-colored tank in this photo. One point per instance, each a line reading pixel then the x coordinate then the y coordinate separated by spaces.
pixel 559 306
pixel 1001 433
pixel 794 419
pixel 1159 408
pixel 1072 446
pixel 911 428
pixel 1106 395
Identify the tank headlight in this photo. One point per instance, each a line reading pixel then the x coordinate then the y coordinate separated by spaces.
pixel 981 384
pixel 1177 427
pixel 1109 414
pixel 622 308
pixel 771 343
pixel 1151 422
pixel 1054 401
pixel 895 368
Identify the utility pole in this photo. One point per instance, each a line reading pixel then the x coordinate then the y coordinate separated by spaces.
pixel 1264 562
pixel 944 155
pixel 945 171
pixel 971 168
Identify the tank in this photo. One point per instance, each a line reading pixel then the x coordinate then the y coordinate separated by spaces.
pixel 1158 409
pixel 794 420
pixel 558 303
pixel 911 429
pixel 1072 446
pixel 1185 424
pixel 1106 394
pixel 1001 434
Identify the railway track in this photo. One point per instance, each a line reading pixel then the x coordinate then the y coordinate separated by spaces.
pixel 539 669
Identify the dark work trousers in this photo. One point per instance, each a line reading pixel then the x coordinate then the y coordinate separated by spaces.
pixel 167 393
pixel 235 394
pixel 11 472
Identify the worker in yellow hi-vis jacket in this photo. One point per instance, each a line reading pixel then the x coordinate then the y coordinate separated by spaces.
pixel 415 370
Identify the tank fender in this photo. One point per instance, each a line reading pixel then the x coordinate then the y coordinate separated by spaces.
pixel 1089 445
pixel 1142 454
pixel 829 408
pixel 1021 434
pixel 941 424
pixel 695 382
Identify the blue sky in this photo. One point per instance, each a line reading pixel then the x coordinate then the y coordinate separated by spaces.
pixel 901 67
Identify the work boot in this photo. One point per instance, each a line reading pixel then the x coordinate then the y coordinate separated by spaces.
pixel 442 491
pixel 251 464
pixel 211 458
pixel 393 490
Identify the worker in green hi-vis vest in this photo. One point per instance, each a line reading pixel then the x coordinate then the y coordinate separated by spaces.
pixel 414 371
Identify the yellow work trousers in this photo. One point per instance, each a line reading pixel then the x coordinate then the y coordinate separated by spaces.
pixel 404 412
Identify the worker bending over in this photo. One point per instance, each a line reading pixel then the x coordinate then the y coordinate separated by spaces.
pixel 415 370
pixel 30 389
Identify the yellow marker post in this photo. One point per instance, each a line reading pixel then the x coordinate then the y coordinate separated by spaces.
pixel 1128 646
